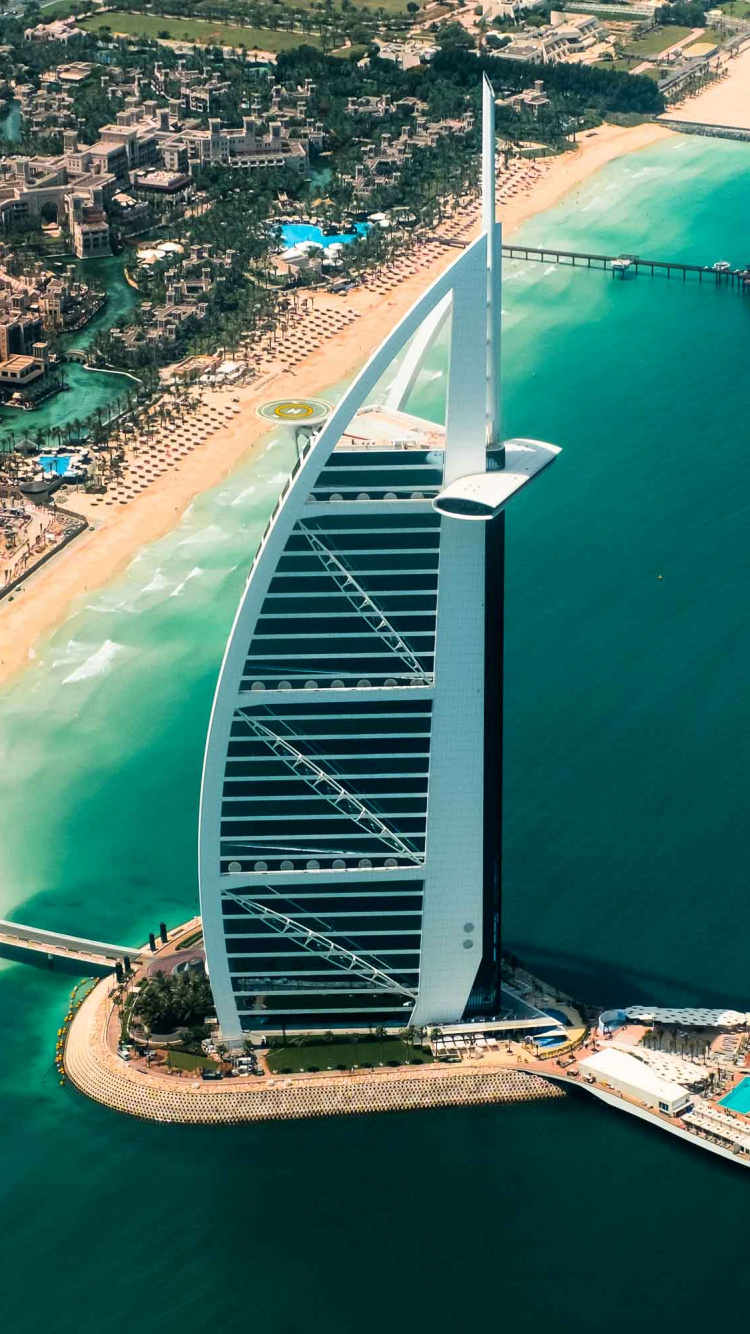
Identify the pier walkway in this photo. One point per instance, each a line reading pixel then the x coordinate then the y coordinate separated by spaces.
pixel 619 265
pixel 52 944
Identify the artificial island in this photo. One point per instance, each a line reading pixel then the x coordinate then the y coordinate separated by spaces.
pixel 348 954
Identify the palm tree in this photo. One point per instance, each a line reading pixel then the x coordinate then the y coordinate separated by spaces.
pixel 381 1034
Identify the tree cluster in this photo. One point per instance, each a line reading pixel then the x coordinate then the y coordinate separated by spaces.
pixel 174 1000
pixel 581 86
pixel 687 15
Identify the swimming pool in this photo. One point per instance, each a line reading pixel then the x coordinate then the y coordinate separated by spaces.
pixel 54 463
pixel 559 1016
pixel 292 233
pixel 739 1099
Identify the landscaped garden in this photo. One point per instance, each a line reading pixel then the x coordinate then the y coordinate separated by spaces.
pixel 656 41
pixel 346 1053
pixel 200 31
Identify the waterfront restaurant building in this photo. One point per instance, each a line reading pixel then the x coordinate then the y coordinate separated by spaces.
pixel 351 803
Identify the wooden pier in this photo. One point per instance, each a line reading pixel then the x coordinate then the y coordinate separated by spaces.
pixel 621 265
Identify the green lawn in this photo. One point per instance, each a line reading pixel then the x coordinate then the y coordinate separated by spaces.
pixel 329 1055
pixel 183 1060
pixel 614 64
pixel 657 41
pixel 390 6
pixel 198 31
pixel 61 9
pixel 710 35
pixel 737 9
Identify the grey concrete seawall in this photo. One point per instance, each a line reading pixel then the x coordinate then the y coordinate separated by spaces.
pixel 96 1071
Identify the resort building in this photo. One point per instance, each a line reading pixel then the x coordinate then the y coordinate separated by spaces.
pixel 350 825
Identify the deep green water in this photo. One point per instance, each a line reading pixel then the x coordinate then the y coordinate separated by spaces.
pixel 625 873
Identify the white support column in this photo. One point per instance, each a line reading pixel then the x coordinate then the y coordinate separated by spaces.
pixel 465 413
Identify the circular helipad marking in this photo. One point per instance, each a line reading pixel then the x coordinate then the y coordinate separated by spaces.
pixel 295 411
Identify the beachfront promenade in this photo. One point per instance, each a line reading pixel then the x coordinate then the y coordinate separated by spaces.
pixel 95 1069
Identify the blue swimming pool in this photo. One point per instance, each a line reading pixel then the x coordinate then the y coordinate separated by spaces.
pixel 559 1016
pixel 294 232
pixel 739 1099
pixel 54 463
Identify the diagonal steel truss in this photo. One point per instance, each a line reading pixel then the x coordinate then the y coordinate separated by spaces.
pixel 324 785
pixel 316 943
pixel 364 604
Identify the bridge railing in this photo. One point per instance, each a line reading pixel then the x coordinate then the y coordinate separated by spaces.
pixel 58 943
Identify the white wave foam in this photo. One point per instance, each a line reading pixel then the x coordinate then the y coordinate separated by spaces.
pixel 242 497
pixel 96 664
pixel 157 584
pixel 195 573
pixel 213 533
pixel 278 479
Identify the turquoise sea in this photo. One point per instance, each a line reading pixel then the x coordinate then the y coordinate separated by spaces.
pixel 625 874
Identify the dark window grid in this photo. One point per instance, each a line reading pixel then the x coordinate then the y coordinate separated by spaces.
pixel 337 735
pixel 404 957
pixel 354 483
pixel 289 901
pixel 353 630
pixel 318 825
pixel 421 578
pixel 295 604
pixel 239 787
pixel 373 563
pixel 373 648
pixel 429 546
pixel 385 893
pixel 349 457
pixel 351 711
pixel 363 940
pixel 342 750
pixel 358 1016
pixel 236 925
pixel 350 708
pixel 361 523
pixel 305 799
pixel 335 624
pixel 337 724
pixel 326 1018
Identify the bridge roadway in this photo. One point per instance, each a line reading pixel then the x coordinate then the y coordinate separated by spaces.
pixel 52 944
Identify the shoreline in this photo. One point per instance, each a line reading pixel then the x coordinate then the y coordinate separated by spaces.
pixel 105 549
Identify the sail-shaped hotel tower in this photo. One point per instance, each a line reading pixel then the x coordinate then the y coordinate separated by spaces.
pixel 350 825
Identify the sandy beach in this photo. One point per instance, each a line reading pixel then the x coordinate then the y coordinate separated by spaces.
pixel 46 599
pixel 723 103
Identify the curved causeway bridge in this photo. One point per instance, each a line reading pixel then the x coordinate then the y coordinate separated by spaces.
pixel 96 955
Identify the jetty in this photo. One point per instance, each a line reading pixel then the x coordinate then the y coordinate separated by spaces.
pixel 721 272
